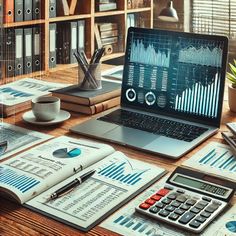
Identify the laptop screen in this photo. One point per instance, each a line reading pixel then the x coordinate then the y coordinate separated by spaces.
pixel 175 73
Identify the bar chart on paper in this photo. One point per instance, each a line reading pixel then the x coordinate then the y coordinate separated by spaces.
pixel 18 181
pixel 214 158
pixel 123 172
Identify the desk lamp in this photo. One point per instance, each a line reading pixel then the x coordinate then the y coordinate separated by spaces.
pixel 169 13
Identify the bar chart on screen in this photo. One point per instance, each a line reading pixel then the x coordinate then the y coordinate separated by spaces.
pixel 214 158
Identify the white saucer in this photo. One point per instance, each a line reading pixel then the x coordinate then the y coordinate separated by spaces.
pixel 30 118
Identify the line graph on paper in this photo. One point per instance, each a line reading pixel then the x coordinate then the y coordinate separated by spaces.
pixel 122 171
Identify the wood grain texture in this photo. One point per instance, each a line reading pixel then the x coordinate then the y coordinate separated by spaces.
pixel 16 220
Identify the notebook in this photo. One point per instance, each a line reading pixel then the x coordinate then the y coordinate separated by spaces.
pixel 172 93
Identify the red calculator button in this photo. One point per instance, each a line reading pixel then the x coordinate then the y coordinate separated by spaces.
pixel 144 206
pixel 163 192
pixel 156 197
pixel 150 201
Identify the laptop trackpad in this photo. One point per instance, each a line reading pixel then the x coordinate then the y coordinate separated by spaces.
pixel 130 136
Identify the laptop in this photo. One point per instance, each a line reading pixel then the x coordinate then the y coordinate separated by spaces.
pixel 172 93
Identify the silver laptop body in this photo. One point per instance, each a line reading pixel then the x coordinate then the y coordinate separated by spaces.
pixel 172 76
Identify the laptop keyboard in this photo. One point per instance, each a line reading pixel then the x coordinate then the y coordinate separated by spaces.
pixel 156 125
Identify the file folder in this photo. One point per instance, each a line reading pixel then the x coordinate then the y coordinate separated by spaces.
pixel 36 49
pixel 27 10
pixel 19 9
pixel 52 45
pixel 81 35
pixel 8 11
pixel 27 50
pixel 73 41
pixel 36 9
pixel 19 51
pixel 52 8
pixel 9 49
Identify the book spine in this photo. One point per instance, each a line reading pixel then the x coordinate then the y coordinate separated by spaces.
pixel 90 110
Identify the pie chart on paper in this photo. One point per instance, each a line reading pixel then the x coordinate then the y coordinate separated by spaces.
pixel 231 226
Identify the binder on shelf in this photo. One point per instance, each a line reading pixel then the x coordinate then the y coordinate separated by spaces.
pixel 52 45
pixel 19 51
pixel 52 8
pixel 63 8
pixel 8 11
pixel 36 58
pixel 73 41
pixel 19 9
pixel 72 4
pixel 27 50
pixel 36 9
pixel 9 48
pixel 81 35
pixel 28 10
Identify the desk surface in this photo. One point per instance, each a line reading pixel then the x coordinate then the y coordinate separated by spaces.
pixel 17 220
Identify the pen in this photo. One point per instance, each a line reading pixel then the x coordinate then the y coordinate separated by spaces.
pixel 68 187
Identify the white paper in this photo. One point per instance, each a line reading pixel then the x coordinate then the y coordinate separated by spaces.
pixel 25 89
pixel 127 222
pixel 117 177
pixel 19 138
pixel 39 168
pixel 215 158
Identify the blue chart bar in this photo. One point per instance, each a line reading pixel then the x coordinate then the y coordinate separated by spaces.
pixel 18 181
pixel 137 226
pixel 117 171
pixel 221 160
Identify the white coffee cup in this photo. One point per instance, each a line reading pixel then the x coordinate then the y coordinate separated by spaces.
pixel 45 108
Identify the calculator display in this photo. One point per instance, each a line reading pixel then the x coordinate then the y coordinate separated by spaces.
pixel 204 186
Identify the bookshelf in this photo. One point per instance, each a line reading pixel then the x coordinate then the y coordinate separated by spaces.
pixel 85 10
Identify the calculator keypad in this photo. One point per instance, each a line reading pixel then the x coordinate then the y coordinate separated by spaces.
pixel 181 207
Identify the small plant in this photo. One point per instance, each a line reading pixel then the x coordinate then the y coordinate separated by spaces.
pixel 231 76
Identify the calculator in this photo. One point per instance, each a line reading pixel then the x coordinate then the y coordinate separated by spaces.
pixel 189 200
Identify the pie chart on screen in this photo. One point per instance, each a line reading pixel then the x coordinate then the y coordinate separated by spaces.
pixel 231 226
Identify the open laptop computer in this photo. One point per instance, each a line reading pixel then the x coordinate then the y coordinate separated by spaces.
pixel 172 93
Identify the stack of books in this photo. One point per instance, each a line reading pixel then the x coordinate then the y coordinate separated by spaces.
pixel 89 101
pixel 230 136
pixel 106 5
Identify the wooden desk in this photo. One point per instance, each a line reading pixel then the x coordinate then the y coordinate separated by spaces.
pixel 17 220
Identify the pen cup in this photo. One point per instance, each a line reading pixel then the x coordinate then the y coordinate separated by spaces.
pixel 89 76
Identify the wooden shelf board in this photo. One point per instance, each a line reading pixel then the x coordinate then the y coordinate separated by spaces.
pixel 68 18
pixel 23 23
pixel 108 13
pixel 112 56
pixel 138 10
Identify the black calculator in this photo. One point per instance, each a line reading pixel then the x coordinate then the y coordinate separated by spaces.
pixel 189 200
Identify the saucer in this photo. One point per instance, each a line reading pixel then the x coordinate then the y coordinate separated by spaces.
pixel 30 118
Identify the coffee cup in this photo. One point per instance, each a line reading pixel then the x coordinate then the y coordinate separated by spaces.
pixel 45 108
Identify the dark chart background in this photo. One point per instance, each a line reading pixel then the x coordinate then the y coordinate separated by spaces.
pixel 175 74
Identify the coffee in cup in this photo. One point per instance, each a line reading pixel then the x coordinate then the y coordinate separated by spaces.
pixel 45 108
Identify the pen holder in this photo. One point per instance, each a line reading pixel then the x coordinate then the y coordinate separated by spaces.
pixel 89 76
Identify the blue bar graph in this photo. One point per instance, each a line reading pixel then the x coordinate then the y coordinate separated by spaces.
pixel 220 159
pixel 122 172
pixel 19 181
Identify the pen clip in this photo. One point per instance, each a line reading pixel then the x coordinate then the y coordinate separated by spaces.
pixel 78 169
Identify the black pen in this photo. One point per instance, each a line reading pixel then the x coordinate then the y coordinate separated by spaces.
pixel 68 187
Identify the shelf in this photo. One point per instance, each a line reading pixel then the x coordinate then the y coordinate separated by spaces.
pixel 108 13
pixel 113 56
pixel 23 23
pixel 138 10
pixel 86 12
pixel 69 18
